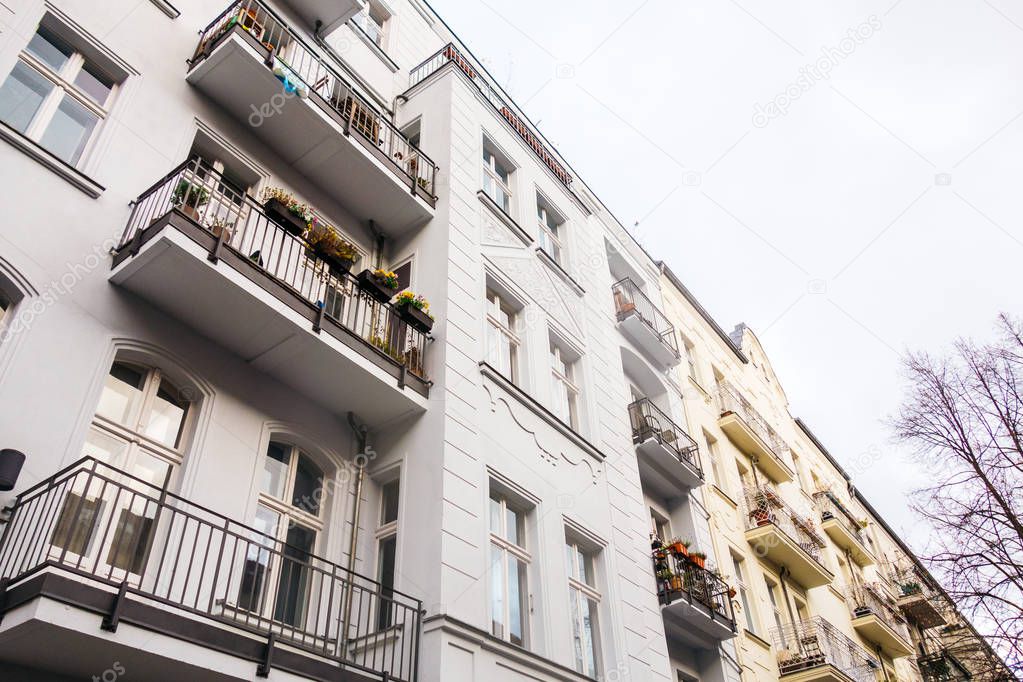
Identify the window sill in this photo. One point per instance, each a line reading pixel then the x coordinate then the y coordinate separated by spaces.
pixel 506 219
pixel 725 496
pixel 754 637
pixel 373 47
pixel 34 151
pixel 539 410
pixel 560 271
pixel 167 8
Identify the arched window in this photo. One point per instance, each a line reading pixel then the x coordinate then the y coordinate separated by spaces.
pixel 139 427
pixel 275 581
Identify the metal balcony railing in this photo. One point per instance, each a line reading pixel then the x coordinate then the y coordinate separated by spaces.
pixel 451 54
pixel 104 525
pixel 648 421
pixel 942 666
pixel 871 599
pixel 678 578
pixel 830 507
pixel 324 82
pixel 204 196
pixel 764 506
pixel 816 642
pixel 630 300
pixel 732 400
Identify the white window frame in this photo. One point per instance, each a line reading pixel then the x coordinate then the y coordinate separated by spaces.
pixel 551 239
pixel 387 530
pixel 566 393
pixel 742 588
pixel 714 455
pixel 692 364
pixel 512 552
pixel 580 594
pixel 491 161
pixel 376 31
pixel 776 600
pixel 63 85
pixel 497 302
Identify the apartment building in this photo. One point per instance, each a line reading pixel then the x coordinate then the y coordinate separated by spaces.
pixel 825 590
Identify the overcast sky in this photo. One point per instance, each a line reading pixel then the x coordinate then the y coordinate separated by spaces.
pixel 873 208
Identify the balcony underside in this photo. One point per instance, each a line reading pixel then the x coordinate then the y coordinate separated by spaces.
pixel 640 333
pixel 873 629
pixel 747 439
pixel 53 611
pixel 922 610
pixel 845 539
pixel 695 624
pixel 309 136
pixel 661 469
pixel 264 323
pixel 776 546
pixel 331 13
pixel 815 672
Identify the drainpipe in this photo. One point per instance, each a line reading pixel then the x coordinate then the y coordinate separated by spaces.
pixel 361 434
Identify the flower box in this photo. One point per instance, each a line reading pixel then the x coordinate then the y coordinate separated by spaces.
pixel 374 287
pixel 339 267
pixel 278 212
pixel 416 318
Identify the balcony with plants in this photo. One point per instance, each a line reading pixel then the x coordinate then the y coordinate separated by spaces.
pixel 696 601
pixel 668 457
pixel 296 100
pixel 814 650
pixel 107 551
pixel 942 666
pixel 752 433
pixel 644 323
pixel 916 597
pixel 844 529
pixel 270 280
pixel 876 618
pixel 783 536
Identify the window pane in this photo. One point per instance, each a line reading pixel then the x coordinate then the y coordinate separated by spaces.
pixel 104 447
pixel 49 49
pixel 151 470
pixel 389 503
pixel 21 95
pixel 514 535
pixel 69 131
pixel 517 607
pixel 167 417
pixel 94 83
pixel 76 523
pixel 385 576
pixel 131 541
pixel 293 583
pixel 308 486
pixel 257 559
pixel 497 591
pixel 590 636
pixel 122 394
pixel 495 516
pixel 275 470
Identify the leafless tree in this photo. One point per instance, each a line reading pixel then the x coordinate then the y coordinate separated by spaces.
pixel 963 418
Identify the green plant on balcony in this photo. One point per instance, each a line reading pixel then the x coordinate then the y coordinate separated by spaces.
pixel 189 197
pixel 283 208
pixel 910 588
pixel 327 243
pixel 415 310
pixel 698 558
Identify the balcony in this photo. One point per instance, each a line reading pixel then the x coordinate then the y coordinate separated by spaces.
pixel 647 327
pixel 752 434
pixel 942 666
pixel 253 65
pixel 225 268
pixel 815 651
pixel 668 457
pixel 696 604
pixel 875 617
pixel 328 14
pixel 94 550
pixel 843 528
pixel 917 599
pixel 784 537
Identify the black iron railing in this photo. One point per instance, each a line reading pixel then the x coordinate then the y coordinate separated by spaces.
pixel 830 507
pixel 451 54
pixel 322 81
pixel 648 421
pixel 630 300
pixel 808 644
pixel 105 525
pixel 942 666
pixel 204 196
pixel 764 506
pixel 731 400
pixel 871 599
pixel 679 578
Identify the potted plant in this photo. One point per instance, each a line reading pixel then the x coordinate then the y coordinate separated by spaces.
pixel 337 252
pixel 910 588
pixel 761 516
pixel 415 310
pixel 220 226
pixel 698 558
pixel 281 207
pixel 190 197
pixel 679 547
pixel 380 284
pixel 675 583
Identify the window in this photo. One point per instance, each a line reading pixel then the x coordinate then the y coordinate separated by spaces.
pixel 140 427
pixel 714 455
pixel 775 599
pixel 584 600
pixel 797 466
pixel 404 273
pixel 509 562
pixel 387 550
pixel 564 387
pixel 690 351
pixel 502 341
pixel 550 237
pixel 802 612
pixel 57 96
pixel 373 21
pixel 661 527
pixel 743 590
pixel 496 177
pixel 288 523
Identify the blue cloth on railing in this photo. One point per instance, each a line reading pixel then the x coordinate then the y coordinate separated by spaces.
pixel 293 85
